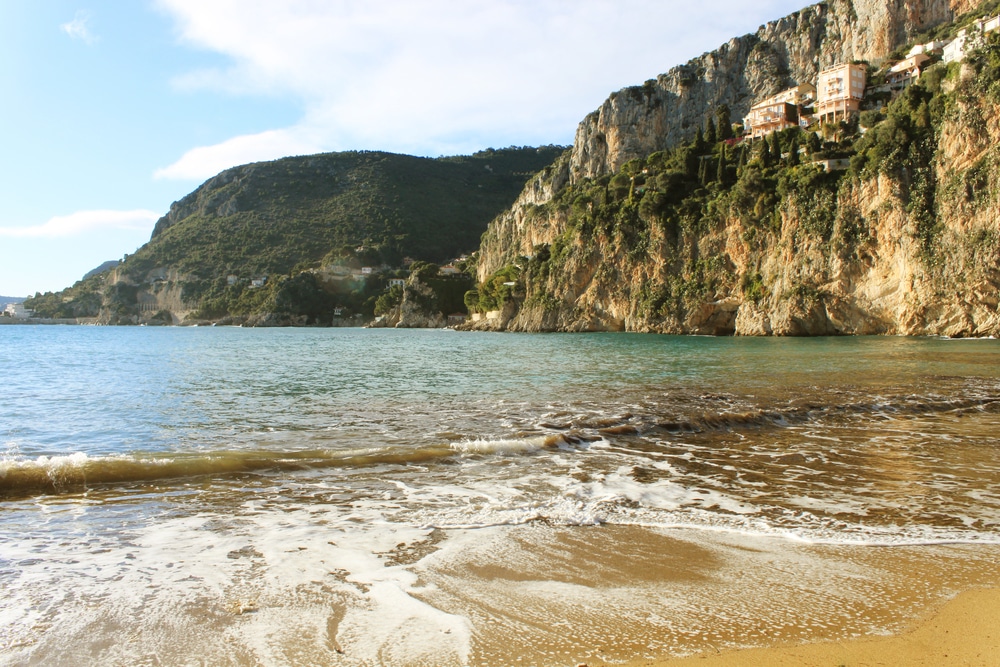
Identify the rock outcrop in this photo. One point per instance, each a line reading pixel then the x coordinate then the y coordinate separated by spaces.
pixel 639 120
pixel 872 272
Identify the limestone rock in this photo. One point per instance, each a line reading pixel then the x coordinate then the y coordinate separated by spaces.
pixel 884 284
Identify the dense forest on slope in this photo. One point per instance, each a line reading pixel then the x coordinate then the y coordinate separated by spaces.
pixel 282 218
pixel 267 218
pixel 715 236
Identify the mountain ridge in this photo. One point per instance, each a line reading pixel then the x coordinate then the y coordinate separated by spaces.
pixel 262 222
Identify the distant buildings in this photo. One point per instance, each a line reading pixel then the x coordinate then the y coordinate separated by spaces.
pixel 833 164
pixel 839 91
pixel 968 38
pixel 779 112
pixel 905 72
pixel 18 311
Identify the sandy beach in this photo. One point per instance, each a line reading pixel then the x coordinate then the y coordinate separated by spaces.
pixel 710 597
pixel 964 631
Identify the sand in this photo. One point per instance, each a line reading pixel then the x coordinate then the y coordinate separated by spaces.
pixel 965 631
pixel 558 596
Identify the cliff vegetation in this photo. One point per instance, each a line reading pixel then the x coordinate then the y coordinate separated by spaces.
pixel 287 241
pixel 713 236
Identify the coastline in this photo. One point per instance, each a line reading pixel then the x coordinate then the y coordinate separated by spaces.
pixel 963 631
pixel 655 597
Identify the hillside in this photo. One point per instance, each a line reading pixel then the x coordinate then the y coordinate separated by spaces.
pixel 715 237
pixel 275 220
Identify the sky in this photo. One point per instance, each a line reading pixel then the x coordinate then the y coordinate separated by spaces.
pixel 112 110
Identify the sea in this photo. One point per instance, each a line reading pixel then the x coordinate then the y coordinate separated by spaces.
pixel 239 496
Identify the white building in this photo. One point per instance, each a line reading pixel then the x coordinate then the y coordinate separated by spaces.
pixel 929 47
pixel 17 310
pixel 968 39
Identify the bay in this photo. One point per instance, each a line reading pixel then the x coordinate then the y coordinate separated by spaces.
pixel 315 496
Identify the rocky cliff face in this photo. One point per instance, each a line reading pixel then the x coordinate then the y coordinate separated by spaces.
pixel 875 270
pixel 637 121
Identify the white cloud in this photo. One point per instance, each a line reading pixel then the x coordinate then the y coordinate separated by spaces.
pixel 83 222
pixel 206 161
pixel 436 76
pixel 79 29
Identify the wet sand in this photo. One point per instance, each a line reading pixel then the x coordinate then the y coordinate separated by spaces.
pixel 964 631
pixel 605 595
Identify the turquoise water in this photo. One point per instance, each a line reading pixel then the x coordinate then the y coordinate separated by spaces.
pixel 147 468
pixel 103 391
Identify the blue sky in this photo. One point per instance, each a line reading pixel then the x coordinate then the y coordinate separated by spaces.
pixel 112 110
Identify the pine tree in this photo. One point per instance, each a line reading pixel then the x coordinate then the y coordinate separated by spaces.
pixel 725 122
pixel 710 134
pixel 775 149
pixel 793 151
pixel 720 170
pixel 813 144
pixel 764 152
pixel 699 142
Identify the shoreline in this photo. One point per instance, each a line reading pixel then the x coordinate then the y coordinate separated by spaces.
pixel 964 630
pixel 641 597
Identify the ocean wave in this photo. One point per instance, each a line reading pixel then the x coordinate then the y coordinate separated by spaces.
pixel 79 471
pixel 798 414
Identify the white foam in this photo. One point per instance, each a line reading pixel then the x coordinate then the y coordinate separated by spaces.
pixel 501 446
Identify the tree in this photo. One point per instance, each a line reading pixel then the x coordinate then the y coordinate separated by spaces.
pixel 620 186
pixel 720 171
pixel 389 300
pixel 699 142
pixel 424 270
pixel 710 135
pixel 793 151
pixel 813 143
pixel 725 122
pixel 764 152
pixel 471 299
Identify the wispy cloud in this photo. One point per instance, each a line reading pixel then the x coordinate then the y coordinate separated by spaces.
pixel 79 28
pixel 435 77
pixel 83 222
pixel 206 161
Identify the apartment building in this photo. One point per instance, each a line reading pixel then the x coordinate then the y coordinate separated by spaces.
pixel 839 91
pixel 778 112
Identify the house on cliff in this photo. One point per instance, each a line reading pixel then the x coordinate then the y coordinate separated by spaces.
pixel 968 39
pixel 839 92
pixel 779 112
pixel 905 72
pixel 836 96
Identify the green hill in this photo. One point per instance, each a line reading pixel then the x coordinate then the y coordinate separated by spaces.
pixel 281 218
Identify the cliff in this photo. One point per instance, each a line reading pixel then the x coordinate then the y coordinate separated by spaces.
pixel 639 120
pixel 639 229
